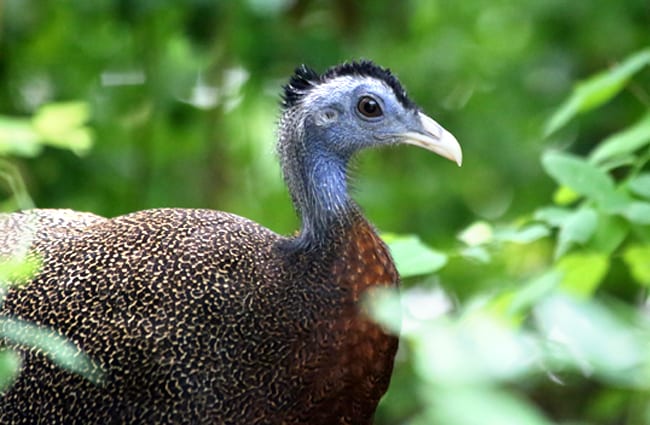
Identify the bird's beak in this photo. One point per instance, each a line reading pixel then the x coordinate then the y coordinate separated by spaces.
pixel 431 136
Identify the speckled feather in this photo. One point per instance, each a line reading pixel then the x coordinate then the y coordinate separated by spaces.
pixel 199 316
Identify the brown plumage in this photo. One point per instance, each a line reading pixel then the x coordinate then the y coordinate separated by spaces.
pixel 204 317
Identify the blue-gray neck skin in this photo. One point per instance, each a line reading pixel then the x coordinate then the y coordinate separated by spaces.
pixel 316 178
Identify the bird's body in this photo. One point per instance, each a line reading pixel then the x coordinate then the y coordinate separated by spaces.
pixel 204 317
pixel 183 318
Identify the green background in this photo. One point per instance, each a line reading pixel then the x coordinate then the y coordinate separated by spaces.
pixel 174 104
pixel 490 72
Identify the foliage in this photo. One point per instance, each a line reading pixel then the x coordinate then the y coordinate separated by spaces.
pixel 597 90
pixel 55 124
pixel 59 125
pixel 413 256
pixel 532 307
pixel 16 270
pixel 472 361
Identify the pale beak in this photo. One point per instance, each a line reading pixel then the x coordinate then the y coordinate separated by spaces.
pixel 436 139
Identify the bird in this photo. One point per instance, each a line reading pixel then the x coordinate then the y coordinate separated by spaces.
pixel 196 316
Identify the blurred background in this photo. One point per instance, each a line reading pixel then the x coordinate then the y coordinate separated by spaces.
pixel 113 106
pixel 183 98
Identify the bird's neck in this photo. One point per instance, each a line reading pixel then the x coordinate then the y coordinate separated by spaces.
pixel 325 205
pixel 317 181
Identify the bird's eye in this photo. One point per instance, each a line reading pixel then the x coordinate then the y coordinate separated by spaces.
pixel 369 107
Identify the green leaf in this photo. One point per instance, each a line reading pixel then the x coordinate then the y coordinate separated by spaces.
pixel 533 291
pixel 565 196
pixel 582 273
pixel 478 233
pixel 412 257
pixel 610 233
pixel 52 344
pixel 583 177
pixel 618 162
pixel 384 305
pixel 624 142
pixel 469 351
pixel 55 118
pixel 477 405
pixel 597 90
pixel 524 235
pixel 17 137
pixel 17 270
pixel 476 253
pixel 577 228
pixel 553 216
pixel 636 212
pixel 9 367
pixel 640 185
pixel 637 258
pixel 594 339
pixel 61 125
pixel 56 124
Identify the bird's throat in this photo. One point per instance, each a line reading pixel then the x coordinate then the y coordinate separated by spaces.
pixel 324 203
pixel 316 175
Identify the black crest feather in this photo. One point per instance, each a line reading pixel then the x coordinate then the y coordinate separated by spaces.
pixel 302 80
pixel 305 78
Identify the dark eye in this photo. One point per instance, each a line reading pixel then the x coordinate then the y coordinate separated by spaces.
pixel 369 107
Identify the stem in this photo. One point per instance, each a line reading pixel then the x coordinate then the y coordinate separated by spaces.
pixel 17 188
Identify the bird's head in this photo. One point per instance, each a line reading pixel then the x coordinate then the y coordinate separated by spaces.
pixel 329 117
pixel 358 105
